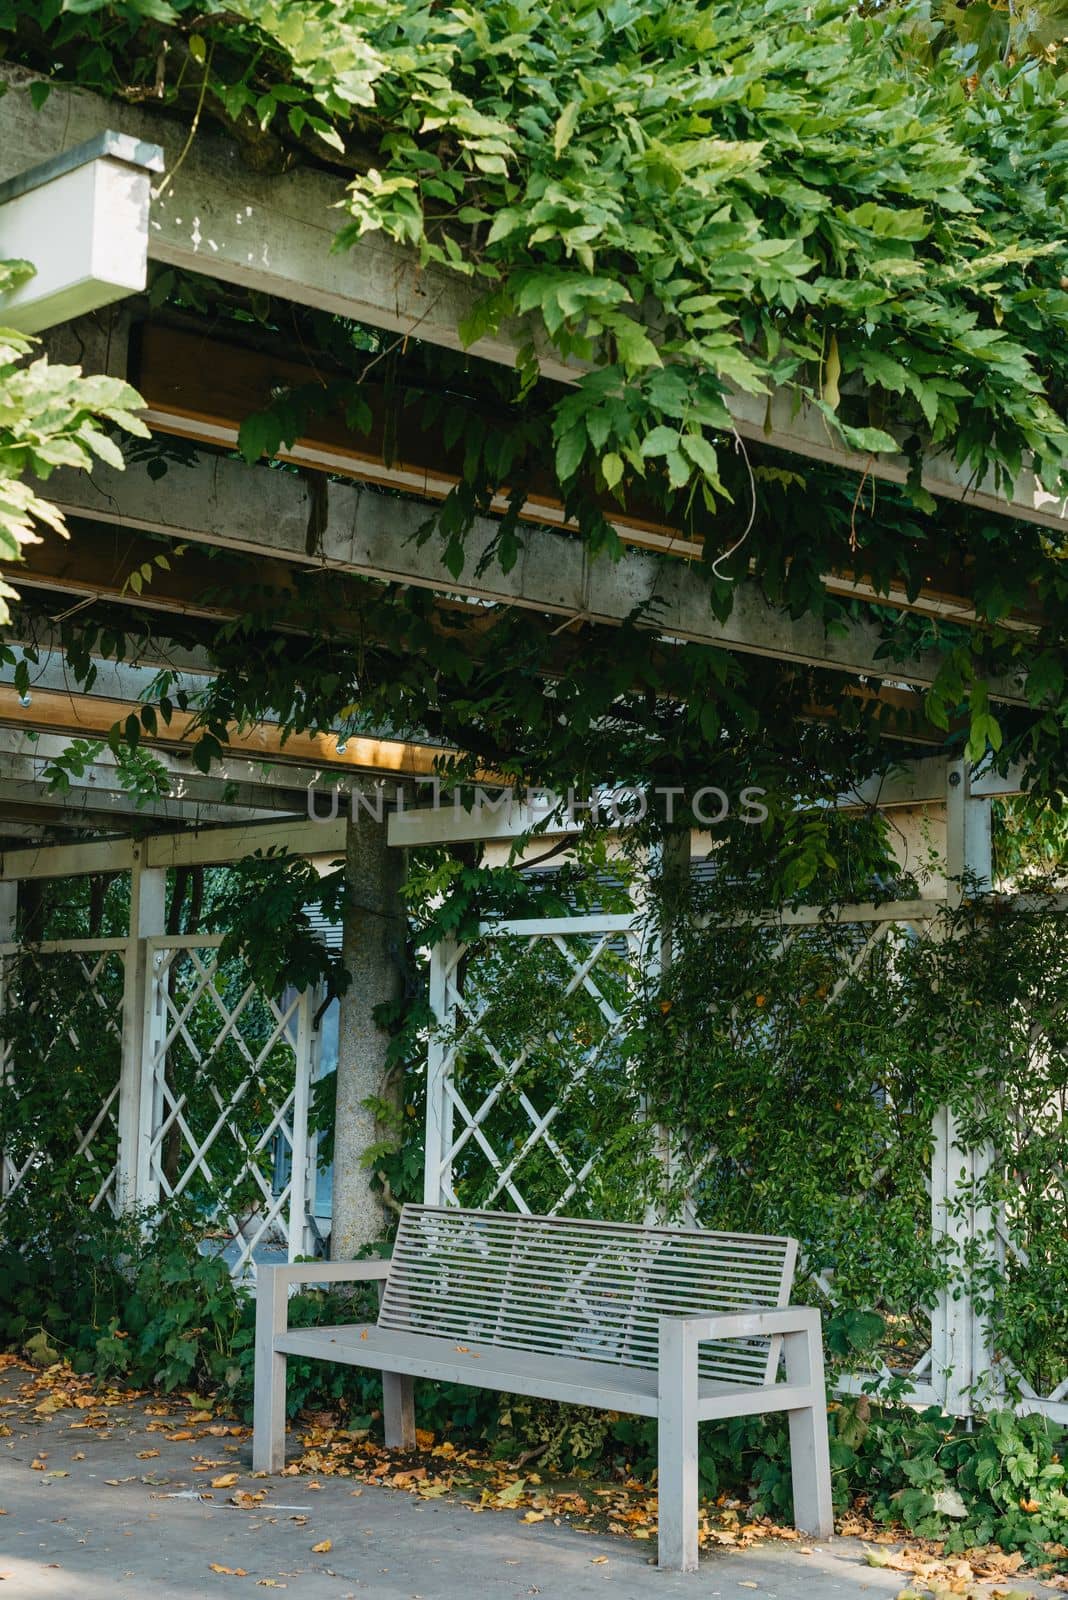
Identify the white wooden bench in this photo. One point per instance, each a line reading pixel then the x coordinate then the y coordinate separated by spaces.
pixel 681 1325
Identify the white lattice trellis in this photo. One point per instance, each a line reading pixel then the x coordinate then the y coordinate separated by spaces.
pixel 225 1083
pixel 76 1055
pixel 455 1118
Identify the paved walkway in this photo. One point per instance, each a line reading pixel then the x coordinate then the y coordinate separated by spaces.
pixel 97 1520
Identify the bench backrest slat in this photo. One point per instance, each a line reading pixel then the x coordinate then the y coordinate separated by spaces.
pixel 563 1286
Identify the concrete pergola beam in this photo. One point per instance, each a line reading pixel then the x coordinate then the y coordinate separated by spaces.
pixel 223 502
pixel 275 234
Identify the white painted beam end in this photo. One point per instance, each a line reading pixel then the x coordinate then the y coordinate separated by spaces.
pixel 82 220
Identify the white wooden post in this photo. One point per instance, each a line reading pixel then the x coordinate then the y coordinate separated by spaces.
pixel 961 1347
pixel 372 947
pixel 660 890
pixel 437 1164
pixel 9 902
pixel 968 833
pixel 951 1339
pixel 302 1173
pixel 148 893
pixel 676 1478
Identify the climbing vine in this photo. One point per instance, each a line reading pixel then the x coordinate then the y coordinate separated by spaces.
pixel 685 202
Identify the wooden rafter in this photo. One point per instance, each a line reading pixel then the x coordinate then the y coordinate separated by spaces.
pixel 205 847
pixel 92 717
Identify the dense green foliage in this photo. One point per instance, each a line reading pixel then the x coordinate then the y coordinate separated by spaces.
pixel 50 416
pixel 764 1052
pixel 791 198
pixel 866 210
pixel 797 1074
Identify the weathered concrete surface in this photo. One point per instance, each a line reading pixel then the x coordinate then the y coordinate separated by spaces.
pixel 83 1537
pixel 373 951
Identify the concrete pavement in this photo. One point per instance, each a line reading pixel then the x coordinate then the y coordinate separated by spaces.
pixel 108 1512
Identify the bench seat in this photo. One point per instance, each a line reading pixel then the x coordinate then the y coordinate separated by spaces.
pixel 574 1381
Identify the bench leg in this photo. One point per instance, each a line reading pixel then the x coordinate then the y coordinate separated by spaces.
pixel 398 1410
pixel 677 1474
pixel 269 1405
pixel 810 1460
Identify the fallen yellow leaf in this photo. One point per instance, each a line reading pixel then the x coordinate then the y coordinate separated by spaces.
pixel 534 1516
pixel 509 1496
pixel 229 1572
pixel 600 1561
pixel 323 1547
pixel 227 1481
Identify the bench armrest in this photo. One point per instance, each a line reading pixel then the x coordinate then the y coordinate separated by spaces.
pixel 744 1324
pixel 681 1338
pixel 273 1284
pixel 325 1271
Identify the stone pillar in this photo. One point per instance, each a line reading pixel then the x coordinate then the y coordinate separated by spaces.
pixel 373 950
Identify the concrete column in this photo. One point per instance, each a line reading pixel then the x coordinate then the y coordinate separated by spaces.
pixel 373 950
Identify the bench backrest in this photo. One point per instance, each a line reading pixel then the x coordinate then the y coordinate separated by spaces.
pixel 562 1286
